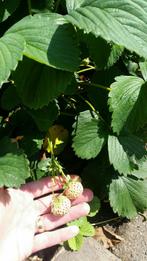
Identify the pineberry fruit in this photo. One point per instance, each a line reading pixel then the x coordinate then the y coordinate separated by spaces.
pixel 74 190
pixel 60 205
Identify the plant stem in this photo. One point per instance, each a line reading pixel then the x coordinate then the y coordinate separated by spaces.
pixel 94 110
pixel 87 69
pixel 90 105
pixel 29 7
pixel 57 5
pixel 64 176
pixel 55 162
pixel 105 221
pixel 96 85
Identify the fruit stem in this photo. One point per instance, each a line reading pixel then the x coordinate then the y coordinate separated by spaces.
pixel 64 176
pixel 56 164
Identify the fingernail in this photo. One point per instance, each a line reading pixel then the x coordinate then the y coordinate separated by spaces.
pixel 86 208
pixel 75 230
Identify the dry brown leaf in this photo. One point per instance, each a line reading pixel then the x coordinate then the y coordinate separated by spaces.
pixel 107 237
pixel 16 139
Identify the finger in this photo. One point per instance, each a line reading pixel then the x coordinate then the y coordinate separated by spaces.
pixel 48 239
pixel 51 222
pixel 45 185
pixel 43 204
pixel 86 196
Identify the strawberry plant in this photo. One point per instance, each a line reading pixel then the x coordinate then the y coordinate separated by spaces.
pixel 73 78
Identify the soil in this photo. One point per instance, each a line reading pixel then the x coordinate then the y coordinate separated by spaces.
pixel 134 246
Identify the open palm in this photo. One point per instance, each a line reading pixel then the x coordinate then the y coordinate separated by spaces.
pixel 21 208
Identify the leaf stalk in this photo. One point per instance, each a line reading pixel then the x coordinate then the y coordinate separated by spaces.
pixel 29 7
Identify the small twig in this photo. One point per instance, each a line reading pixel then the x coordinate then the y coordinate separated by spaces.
pixel 142 215
pixel 105 221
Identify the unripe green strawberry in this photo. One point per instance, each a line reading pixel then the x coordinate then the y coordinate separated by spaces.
pixel 60 205
pixel 74 190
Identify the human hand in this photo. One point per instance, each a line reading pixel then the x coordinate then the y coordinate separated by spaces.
pixel 19 212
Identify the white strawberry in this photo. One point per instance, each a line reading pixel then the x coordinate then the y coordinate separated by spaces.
pixel 73 190
pixel 60 205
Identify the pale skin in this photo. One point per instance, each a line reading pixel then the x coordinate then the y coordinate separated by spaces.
pixel 21 208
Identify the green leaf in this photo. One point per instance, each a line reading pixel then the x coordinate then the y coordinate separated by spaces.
pixel 125 153
pixel 75 243
pixel 31 146
pixel 90 136
pixel 44 164
pixel 128 195
pixel 78 222
pixel 39 174
pixel 46 37
pixel 99 50
pixel 21 124
pixel 116 52
pixel 141 172
pixel 45 117
pixel 95 205
pixel 123 22
pixel 10 166
pixel 72 88
pixel 143 69
pixel 103 53
pixel 42 6
pixel 118 156
pixel 127 102
pixel 73 4
pixel 38 84
pixel 7 7
pixel 49 4
pixel 14 167
pixel 87 230
pixel 97 175
pixel 7 146
pixel 11 51
pixel 10 98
